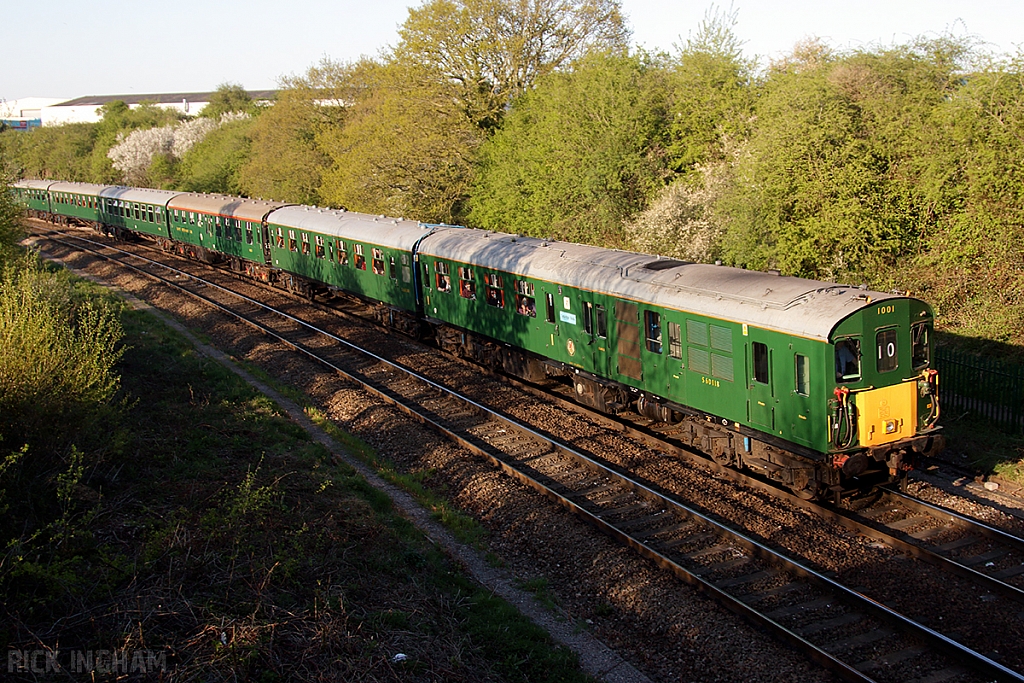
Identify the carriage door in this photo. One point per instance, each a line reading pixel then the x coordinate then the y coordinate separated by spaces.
pixel 627 331
pixel 267 256
pixel 760 384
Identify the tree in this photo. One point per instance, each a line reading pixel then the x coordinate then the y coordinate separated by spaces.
pixel 214 163
pixel 488 52
pixel 228 98
pixel 405 149
pixel 578 154
pixel 286 158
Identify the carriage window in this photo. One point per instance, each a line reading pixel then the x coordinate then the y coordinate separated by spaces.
pixel 342 254
pixel 320 251
pixel 216 222
pixel 248 233
pixel 444 280
pixel 238 230
pixel 919 339
pixel 886 347
pixel 549 299
pixel 150 212
pixel 652 323
pixel 675 341
pixel 495 291
pixel 360 261
pixel 305 244
pixel 280 238
pixel 393 273
pixel 847 360
pixel 760 362
pixel 377 262
pixel 602 321
pixel 136 208
pixel 588 317
pixel 293 244
pixel 467 285
pixel 803 368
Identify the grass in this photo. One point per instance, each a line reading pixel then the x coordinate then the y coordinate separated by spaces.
pixel 221 536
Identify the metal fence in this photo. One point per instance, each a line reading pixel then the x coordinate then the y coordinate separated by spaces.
pixel 993 389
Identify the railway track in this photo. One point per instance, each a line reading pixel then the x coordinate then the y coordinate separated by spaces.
pixel 841 629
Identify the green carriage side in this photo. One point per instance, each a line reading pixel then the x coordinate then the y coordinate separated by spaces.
pixel 217 225
pixel 78 201
pixel 368 256
pixel 33 195
pixel 136 209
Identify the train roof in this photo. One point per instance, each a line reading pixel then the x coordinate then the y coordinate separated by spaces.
pixel 223 205
pixel 396 233
pixel 89 189
pixel 792 305
pixel 139 194
pixel 33 184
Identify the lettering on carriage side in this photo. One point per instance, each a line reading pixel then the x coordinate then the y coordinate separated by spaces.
pixel 710 381
pixel 567 317
pixel 882 310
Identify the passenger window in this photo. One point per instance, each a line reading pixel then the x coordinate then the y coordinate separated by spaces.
pixel 525 303
pixel 652 324
pixel 320 251
pixel 550 301
pixel 588 317
pixel 886 345
pixel 280 238
pixel 919 341
pixel 495 291
pixel 377 261
pixel 760 362
pixel 675 341
pixel 847 360
pixel 305 244
pixel 360 261
pixel 342 254
pixel 393 273
pixel 444 279
pixel 467 285
pixel 803 380
pixel 602 322
pixel 248 233
pixel 293 244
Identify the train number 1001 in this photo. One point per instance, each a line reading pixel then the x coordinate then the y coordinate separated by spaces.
pixel 882 310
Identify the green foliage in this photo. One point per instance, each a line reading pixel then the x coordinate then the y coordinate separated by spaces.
pixel 405 149
pixel 10 213
pixel 286 161
pixel 826 185
pixel 485 53
pixel 578 154
pixel 215 163
pixel 53 152
pixel 711 89
pixel 228 98
pixel 58 350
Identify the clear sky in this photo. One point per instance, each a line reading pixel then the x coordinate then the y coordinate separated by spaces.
pixel 71 48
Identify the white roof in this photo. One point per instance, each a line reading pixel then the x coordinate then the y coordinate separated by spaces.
pixel 396 233
pixel 91 189
pixel 138 194
pixel 798 306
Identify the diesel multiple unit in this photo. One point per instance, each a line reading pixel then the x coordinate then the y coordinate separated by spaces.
pixel 818 386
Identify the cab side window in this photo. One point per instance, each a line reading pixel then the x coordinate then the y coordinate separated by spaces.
pixel 848 360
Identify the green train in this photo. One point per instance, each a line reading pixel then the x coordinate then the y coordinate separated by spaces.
pixel 820 387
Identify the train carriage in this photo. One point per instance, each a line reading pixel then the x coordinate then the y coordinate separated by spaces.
pixel 751 357
pixel 364 255
pixel 134 209
pixel 211 227
pixel 33 195
pixel 76 201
